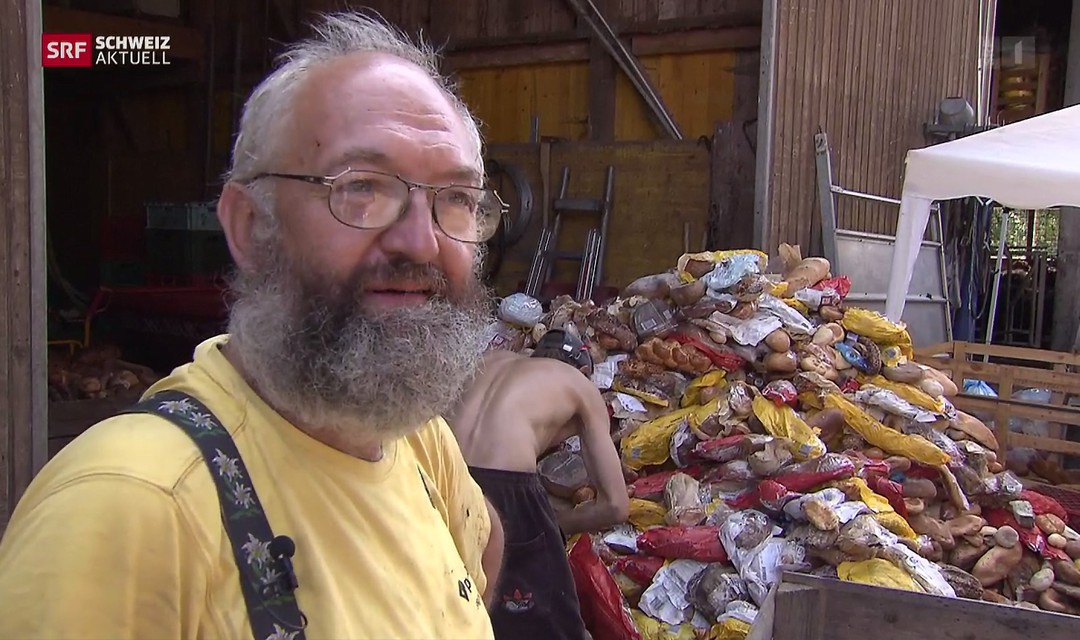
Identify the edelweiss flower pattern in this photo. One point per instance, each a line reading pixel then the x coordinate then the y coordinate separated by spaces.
pixel 241 493
pixel 270 608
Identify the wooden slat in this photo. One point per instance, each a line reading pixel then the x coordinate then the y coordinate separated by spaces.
pixel 729 39
pixel 1052 445
pixel 22 253
pixel 851 611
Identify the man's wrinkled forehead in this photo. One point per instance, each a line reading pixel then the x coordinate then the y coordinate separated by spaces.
pixel 384 110
pixel 361 157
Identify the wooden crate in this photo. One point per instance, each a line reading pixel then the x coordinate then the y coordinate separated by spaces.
pixel 803 607
pixel 1013 369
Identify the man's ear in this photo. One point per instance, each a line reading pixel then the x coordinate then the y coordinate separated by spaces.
pixel 236 212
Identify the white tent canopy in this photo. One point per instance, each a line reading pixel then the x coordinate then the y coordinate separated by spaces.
pixel 1031 164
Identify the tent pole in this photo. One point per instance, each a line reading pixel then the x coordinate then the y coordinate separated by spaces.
pixel 1006 214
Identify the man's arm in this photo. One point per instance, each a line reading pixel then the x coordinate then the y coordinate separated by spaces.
pixel 612 505
pixel 493 554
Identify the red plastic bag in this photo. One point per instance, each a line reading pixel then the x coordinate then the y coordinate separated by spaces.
pixel 891 491
pixel 640 569
pixel 814 473
pixel 1043 504
pixel 840 284
pixel 1032 538
pixel 773 496
pixel 700 543
pixel 603 608
pixel 721 449
pixel 651 487
pixel 726 360
pixel 781 392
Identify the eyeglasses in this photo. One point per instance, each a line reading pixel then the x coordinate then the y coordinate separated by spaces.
pixel 375 200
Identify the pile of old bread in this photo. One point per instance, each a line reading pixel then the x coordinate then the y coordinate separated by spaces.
pixel 766 426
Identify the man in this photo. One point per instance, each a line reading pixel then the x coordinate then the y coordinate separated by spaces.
pixel 358 317
pixel 517 409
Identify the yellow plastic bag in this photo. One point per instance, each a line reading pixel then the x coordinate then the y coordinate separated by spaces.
pixel 873 325
pixel 797 305
pixel 640 395
pixel 650 444
pixel 866 495
pixel 653 629
pixel 895 523
pixel 646 514
pixel 908 392
pixel 693 390
pixel 918 448
pixel 783 422
pixel 877 572
pixel 729 629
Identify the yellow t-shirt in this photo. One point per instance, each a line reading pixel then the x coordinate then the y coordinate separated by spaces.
pixel 120 536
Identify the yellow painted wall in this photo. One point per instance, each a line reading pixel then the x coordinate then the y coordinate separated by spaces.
pixel 699 88
pixel 505 99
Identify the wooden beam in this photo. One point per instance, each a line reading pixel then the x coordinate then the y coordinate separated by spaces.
pixel 185 43
pixel 516 55
pixel 529 51
pixel 729 39
pixel 602 72
pixel 23 382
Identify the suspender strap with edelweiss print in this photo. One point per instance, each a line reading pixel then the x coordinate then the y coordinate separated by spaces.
pixel 264 579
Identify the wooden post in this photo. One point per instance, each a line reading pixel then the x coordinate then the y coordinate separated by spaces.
pixel 23 396
pixel 601 93
pixel 1066 331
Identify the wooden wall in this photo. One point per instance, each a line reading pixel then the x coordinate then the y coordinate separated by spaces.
pixel 698 88
pixel 467 23
pixel 659 187
pixel 869 73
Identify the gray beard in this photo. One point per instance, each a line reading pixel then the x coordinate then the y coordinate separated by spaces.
pixel 316 353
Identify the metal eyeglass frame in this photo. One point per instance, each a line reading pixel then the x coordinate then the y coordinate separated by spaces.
pixel 328 182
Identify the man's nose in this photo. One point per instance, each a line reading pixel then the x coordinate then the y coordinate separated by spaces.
pixel 414 235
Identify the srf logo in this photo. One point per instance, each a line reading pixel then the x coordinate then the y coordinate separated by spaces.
pixel 66 50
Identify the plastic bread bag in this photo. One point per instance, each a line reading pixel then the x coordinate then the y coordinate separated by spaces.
pixel 682 497
pixel 651 443
pixel 791 319
pixel 653 629
pixel 825 499
pixel 783 422
pixel 603 607
pixel 765 567
pixel 715 588
pixel 925 573
pixel 731 267
pixel 668 597
pixel 750 332
pixel 699 543
pixel 520 310
pixel 894 404
pixel 682 445
pixel 877 572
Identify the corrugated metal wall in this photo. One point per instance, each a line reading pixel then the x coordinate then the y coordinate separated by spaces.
pixel 869 73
